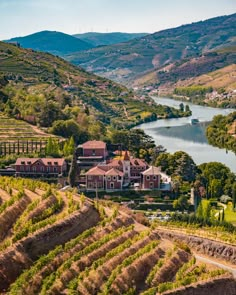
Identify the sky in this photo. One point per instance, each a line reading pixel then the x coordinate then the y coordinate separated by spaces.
pixel 24 17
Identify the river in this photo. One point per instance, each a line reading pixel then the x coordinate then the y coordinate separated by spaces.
pixel 179 135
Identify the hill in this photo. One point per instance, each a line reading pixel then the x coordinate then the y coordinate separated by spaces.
pixel 99 39
pixel 42 88
pixel 53 42
pixel 126 61
pixel 55 242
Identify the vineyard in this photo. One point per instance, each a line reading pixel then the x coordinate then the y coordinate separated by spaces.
pixel 17 137
pixel 56 242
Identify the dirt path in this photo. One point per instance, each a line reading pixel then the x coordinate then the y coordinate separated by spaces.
pixel 217 263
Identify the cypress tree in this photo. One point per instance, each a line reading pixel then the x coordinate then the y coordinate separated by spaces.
pixel 234 196
pixel 223 215
pixel 73 170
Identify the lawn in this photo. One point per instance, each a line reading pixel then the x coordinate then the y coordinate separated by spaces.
pixel 230 216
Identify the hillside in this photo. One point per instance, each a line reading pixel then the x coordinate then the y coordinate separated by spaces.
pixel 53 42
pixel 126 61
pixel 42 88
pixel 189 69
pixel 98 39
pixel 55 242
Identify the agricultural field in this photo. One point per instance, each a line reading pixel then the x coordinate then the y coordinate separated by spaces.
pixel 17 136
pixel 60 242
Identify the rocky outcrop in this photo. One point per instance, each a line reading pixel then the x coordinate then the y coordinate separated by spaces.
pixel 202 245
pixel 223 285
pixel 21 256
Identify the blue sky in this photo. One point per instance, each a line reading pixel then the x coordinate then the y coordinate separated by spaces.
pixel 23 17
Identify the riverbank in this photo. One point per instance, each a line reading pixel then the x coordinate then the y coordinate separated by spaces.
pixel 171 133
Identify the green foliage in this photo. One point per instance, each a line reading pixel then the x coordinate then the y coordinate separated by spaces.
pixel 180 164
pixel 192 90
pixel 181 203
pixel 11 201
pixel 73 171
pixel 68 129
pixel 217 179
pixel 52 148
pixel 217 132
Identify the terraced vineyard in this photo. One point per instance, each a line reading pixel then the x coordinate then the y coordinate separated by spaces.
pixel 54 242
pixel 17 136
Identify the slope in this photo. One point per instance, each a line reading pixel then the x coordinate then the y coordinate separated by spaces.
pixel 54 42
pixel 93 247
pixel 42 88
pixel 123 62
pixel 98 39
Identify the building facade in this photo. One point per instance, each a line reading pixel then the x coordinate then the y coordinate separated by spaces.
pixel 40 167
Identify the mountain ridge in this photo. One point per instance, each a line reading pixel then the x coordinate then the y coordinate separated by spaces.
pixel 99 39
pixel 54 42
pixel 125 61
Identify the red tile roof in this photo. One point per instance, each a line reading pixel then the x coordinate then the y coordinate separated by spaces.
pixel 94 144
pixel 45 161
pixel 95 171
pixel 152 171
pixel 133 162
pixel 114 172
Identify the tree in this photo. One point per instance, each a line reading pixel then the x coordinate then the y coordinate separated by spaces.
pixel 50 111
pixel 69 147
pixel 234 196
pixel 181 203
pixel 187 108
pixel 52 148
pixel 181 107
pixel 73 171
pixel 223 215
pixel 69 128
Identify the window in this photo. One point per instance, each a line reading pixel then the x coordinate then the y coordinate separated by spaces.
pixel 34 169
pixel 114 178
pixel 99 185
pixel 49 163
pixel 23 162
pixel 38 163
pixel 28 162
pixel 55 169
pixel 147 177
pixel 94 153
pixel 109 178
pixel 56 163
pixel 22 168
pixel 48 169
pixel 89 177
pixel 90 184
pixel 112 185
pixel 151 185
pixel 42 169
pixel 154 177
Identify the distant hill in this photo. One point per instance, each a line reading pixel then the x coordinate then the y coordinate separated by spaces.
pixel 53 42
pixel 125 62
pixel 189 68
pixel 42 88
pixel 98 39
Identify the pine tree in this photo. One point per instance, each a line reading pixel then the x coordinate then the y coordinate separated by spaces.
pixel 73 171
